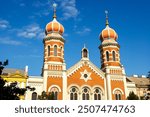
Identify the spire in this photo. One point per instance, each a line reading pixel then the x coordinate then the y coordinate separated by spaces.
pixel 107 23
pixel 84 45
pixel 54 7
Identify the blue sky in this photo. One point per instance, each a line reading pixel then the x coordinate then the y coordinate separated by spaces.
pixel 22 25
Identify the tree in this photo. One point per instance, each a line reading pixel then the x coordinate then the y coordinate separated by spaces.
pixel 46 96
pixel 10 92
pixel 132 96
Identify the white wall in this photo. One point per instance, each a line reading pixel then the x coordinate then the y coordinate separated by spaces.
pixel 37 83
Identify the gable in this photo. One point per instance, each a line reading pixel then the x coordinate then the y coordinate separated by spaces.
pixel 88 64
pixel 17 76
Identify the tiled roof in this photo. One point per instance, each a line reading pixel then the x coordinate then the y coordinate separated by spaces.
pixel 140 81
pixel 7 71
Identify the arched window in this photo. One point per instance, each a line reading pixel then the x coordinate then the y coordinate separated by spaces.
pixel 85 94
pixel 55 50
pixel 54 92
pixel 107 56
pixel 48 50
pixel 97 94
pixel 118 95
pixel 34 96
pixel 74 93
pixel 114 55
pixel 61 52
pixel 85 53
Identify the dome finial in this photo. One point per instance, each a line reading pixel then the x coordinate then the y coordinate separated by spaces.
pixel 84 45
pixel 106 12
pixel 54 7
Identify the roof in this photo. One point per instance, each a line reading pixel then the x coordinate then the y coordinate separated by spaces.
pixel 8 71
pixel 140 81
pixel 35 79
pixel 128 80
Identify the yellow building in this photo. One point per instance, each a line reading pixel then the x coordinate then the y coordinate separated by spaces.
pixel 16 75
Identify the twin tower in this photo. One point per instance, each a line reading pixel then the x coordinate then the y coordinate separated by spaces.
pixel 84 80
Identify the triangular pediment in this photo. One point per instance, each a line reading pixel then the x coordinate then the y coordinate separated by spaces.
pixel 88 63
pixel 17 75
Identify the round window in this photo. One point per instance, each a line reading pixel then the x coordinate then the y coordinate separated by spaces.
pixel 97 91
pixel 85 75
pixel 73 89
pixel 85 90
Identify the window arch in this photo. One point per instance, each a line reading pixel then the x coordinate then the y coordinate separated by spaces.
pixel 85 93
pixel 54 91
pixel 61 51
pixel 74 93
pixel 97 94
pixel 55 50
pixel 85 53
pixel 118 95
pixel 48 50
pixel 34 96
pixel 114 55
pixel 107 56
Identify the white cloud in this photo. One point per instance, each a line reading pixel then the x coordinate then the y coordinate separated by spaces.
pixel 31 31
pixel 69 9
pixel 41 3
pixel 22 4
pixel 4 24
pixel 8 41
pixel 85 30
pixel 43 6
pixel 65 35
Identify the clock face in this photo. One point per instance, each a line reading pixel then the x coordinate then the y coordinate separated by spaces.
pixel 85 75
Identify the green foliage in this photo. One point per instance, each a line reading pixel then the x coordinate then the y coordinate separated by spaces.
pixel 132 96
pixel 10 92
pixel 45 96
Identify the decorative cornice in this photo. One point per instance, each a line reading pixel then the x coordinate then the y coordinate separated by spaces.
pixel 109 44
pixel 53 38
pixel 77 66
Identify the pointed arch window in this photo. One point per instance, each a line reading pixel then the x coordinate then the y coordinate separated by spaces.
pixel 48 50
pixel 85 53
pixel 114 55
pixel 107 56
pixel 97 94
pixel 55 50
pixel 34 96
pixel 118 95
pixel 74 93
pixel 85 94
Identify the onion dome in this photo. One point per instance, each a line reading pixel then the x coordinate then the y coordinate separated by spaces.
pixel 108 33
pixel 54 26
